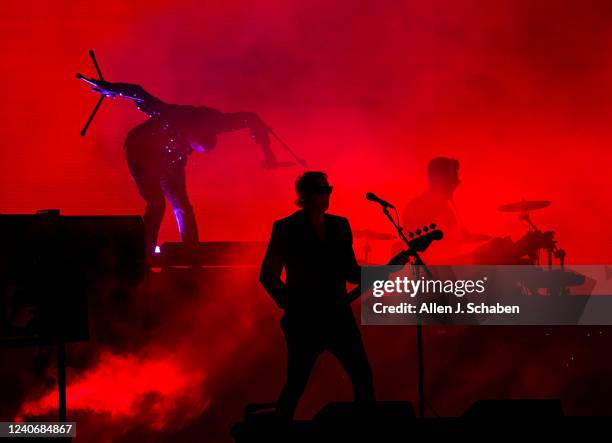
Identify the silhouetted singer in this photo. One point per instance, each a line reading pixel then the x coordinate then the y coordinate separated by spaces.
pixel 157 151
pixel 315 249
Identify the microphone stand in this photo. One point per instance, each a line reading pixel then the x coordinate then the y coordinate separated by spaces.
pixel 418 264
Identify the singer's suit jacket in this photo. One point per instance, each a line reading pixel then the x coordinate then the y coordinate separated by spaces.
pixel 316 270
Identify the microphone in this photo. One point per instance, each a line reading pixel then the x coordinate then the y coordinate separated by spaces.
pixel 373 198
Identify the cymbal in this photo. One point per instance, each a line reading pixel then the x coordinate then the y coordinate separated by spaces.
pixel 524 206
pixel 372 235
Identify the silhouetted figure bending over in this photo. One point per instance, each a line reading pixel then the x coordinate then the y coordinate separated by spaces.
pixel 157 151
pixel 316 251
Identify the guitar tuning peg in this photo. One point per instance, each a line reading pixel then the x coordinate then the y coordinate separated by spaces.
pixel 418 232
pixel 411 234
pixel 432 226
pixel 425 228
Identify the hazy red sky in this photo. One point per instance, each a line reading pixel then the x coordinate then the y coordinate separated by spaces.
pixel 367 91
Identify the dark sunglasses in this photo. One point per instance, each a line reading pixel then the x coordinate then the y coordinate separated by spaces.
pixel 323 189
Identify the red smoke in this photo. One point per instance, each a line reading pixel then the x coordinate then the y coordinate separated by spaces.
pixel 130 388
pixel 517 90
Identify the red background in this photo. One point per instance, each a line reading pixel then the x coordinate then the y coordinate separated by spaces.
pixel 518 91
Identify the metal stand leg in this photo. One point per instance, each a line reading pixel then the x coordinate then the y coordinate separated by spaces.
pixel 421 363
pixel 61 379
pixel 419 266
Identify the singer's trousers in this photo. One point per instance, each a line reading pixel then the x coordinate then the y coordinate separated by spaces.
pixel 307 338
pixel 158 179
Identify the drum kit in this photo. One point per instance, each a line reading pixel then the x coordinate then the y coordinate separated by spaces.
pixel 534 245
pixel 529 248
pixel 535 241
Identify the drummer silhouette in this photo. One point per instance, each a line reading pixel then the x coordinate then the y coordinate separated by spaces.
pixel 436 205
